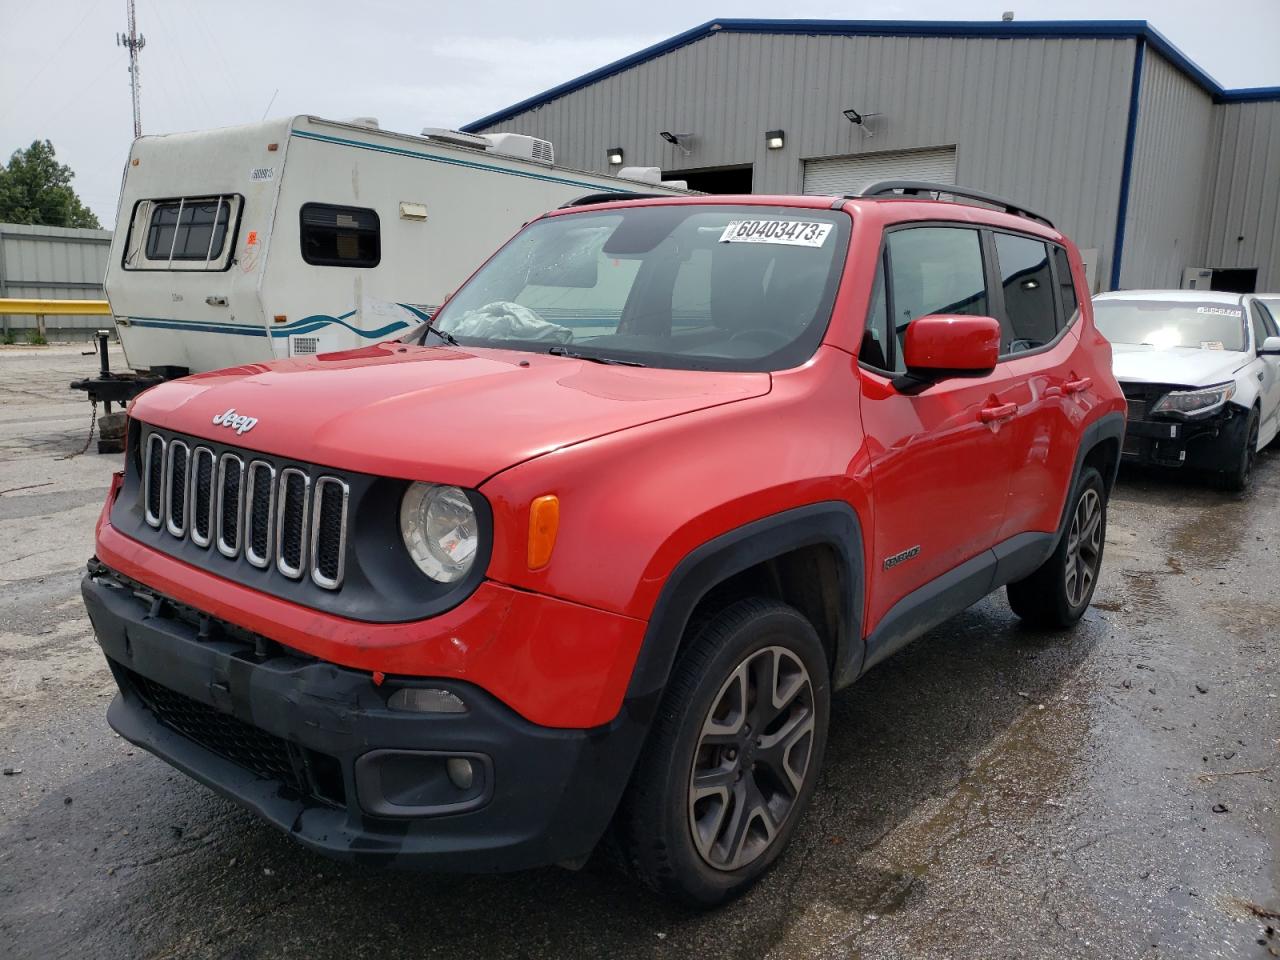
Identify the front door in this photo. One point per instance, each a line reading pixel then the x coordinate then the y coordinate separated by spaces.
pixel 1268 372
pixel 940 458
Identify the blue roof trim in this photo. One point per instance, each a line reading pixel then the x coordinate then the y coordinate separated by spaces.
pixel 1063 29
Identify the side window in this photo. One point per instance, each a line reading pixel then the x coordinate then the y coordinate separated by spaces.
pixel 932 270
pixel 1028 293
pixel 1269 319
pixel 874 351
pixel 186 233
pixel 1066 286
pixel 1259 324
pixel 333 236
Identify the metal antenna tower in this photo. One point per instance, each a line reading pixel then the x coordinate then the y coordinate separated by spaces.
pixel 134 42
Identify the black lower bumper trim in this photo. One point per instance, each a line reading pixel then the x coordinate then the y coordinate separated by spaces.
pixel 1209 444
pixel 282 735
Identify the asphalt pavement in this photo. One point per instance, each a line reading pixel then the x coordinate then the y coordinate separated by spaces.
pixel 990 792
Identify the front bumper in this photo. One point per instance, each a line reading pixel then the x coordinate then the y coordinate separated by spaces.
pixel 314 749
pixel 1209 443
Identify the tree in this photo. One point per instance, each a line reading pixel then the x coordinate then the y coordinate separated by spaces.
pixel 35 188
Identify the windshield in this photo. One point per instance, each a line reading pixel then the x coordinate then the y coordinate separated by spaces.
pixel 698 287
pixel 1167 323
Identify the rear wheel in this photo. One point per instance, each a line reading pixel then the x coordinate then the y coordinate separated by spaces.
pixel 1058 593
pixel 1240 475
pixel 733 757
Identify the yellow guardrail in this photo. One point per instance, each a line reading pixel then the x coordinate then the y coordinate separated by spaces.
pixel 56 308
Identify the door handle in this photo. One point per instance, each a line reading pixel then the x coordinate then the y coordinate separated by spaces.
pixel 1076 386
pixel 997 413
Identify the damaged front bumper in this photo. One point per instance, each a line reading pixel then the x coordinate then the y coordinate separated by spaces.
pixel 1210 442
pixel 320 750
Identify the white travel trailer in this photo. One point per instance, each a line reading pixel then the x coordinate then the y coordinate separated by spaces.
pixel 303 235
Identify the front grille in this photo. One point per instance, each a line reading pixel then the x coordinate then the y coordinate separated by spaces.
pixel 305 772
pixel 1141 397
pixel 287 518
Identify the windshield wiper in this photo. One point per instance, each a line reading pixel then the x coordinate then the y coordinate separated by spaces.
pixel 560 350
pixel 445 335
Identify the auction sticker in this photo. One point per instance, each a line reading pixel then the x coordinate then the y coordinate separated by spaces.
pixel 796 233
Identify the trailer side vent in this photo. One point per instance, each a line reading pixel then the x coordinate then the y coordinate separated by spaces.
pixel 522 146
pixel 304 346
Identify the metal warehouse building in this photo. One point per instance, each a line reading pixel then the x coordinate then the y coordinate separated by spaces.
pixel 1152 167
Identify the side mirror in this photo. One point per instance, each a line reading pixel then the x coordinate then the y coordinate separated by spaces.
pixel 1270 347
pixel 940 346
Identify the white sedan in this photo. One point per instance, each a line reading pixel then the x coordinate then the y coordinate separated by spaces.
pixel 1201 372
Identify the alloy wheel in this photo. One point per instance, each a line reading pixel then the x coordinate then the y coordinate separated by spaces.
pixel 1084 547
pixel 752 757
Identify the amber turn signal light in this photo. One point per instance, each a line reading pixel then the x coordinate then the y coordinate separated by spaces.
pixel 544 521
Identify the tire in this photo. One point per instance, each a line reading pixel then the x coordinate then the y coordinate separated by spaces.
pixel 697 846
pixel 1239 477
pixel 1054 597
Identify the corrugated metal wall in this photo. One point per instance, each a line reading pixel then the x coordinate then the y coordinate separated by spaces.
pixel 1164 230
pixel 1242 191
pixel 1042 121
pixel 54 263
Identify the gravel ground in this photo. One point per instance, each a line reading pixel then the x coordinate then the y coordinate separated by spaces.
pixel 992 792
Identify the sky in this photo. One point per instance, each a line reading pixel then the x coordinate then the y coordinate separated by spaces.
pixel 412 65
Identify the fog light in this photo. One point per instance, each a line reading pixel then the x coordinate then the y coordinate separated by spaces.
pixel 460 772
pixel 426 700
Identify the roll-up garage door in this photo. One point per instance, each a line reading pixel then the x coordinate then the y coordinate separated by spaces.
pixel 841 175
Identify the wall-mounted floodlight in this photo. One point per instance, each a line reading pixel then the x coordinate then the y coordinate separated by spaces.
pixel 774 139
pixel 615 156
pixel 678 140
pixel 859 120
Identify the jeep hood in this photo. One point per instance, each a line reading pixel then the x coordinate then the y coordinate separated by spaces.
pixel 449 415
pixel 1187 366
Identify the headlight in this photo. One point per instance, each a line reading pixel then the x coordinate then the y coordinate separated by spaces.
pixel 440 530
pixel 1189 402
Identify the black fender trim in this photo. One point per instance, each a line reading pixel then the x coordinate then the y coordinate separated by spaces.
pixel 831 523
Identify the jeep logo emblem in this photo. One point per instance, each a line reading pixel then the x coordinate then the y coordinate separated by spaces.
pixel 234 421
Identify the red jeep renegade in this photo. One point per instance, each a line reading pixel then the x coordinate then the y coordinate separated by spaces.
pixel 588 553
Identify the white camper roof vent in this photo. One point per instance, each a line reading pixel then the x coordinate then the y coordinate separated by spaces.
pixel 642 174
pixel 522 146
pixel 369 123
pixel 456 137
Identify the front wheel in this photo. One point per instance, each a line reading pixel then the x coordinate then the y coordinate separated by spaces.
pixel 1057 594
pixel 1240 475
pixel 733 757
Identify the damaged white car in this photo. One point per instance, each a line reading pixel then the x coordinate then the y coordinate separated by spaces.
pixel 1201 373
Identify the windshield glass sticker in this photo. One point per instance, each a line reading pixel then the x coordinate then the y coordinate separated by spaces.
pixel 258 174
pixel 1221 311
pixel 796 233
pixel 1210 344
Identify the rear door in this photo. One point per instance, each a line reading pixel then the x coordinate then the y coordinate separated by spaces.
pixel 940 458
pixel 1050 383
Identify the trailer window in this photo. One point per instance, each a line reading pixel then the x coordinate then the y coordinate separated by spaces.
pixel 182 233
pixel 335 236
pixel 188 229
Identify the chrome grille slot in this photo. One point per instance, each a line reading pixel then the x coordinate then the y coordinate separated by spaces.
pixel 291 521
pixel 230 505
pixel 153 480
pixel 176 462
pixel 201 497
pixel 329 532
pixel 259 508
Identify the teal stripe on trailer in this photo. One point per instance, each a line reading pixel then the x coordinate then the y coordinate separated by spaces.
pixel 453 161
pixel 305 325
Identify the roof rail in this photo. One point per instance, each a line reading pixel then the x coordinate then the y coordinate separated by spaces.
pixel 911 188
pixel 587 199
